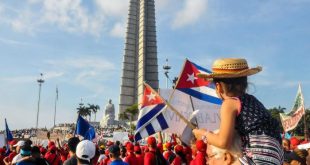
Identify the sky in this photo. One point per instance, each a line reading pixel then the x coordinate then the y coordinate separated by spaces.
pixel 79 44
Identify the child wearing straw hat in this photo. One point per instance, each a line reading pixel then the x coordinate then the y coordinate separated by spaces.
pixel 260 133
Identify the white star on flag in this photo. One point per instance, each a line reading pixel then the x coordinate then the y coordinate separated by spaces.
pixel 191 78
pixel 151 96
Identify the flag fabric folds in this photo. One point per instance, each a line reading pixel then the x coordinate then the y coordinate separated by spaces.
pixel 84 129
pixel 151 118
pixel 8 134
pixel 194 86
pixel 290 121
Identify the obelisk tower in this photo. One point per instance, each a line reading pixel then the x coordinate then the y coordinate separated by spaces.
pixel 140 58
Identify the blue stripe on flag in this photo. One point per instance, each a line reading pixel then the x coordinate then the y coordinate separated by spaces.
pixel 201 68
pixel 162 121
pixel 138 136
pixel 148 116
pixel 150 130
pixel 201 96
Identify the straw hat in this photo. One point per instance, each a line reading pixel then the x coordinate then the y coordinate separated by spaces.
pixel 230 68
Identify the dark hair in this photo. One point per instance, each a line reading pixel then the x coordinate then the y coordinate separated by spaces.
pixel 72 143
pixel 234 86
pixel 35 150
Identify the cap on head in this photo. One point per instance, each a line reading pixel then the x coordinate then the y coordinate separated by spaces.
pixel 110 143
pixel 19 143
pixel 129 147
pixel 12 142
pixel 178 148
pixel 151 141
pixel 50 143
pixel 230 68
pixel 168 146
pixel 137 149
pixel 294 142
pixel 85 150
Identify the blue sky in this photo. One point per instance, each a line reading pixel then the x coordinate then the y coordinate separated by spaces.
pixel 78 45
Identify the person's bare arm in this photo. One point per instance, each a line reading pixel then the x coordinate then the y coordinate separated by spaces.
pixel 223 138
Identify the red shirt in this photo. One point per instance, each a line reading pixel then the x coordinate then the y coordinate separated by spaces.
pixel 131 159
pixel 200 159
pixel 177 160
pixel 12 155
pixel 149 158
pixel 140 159
pixel 52 159
pixel 105 161
pixel 1 160
pixel 167 154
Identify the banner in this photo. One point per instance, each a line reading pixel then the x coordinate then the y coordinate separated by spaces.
pixel 208 116
pixel 291 120
pixel 120 136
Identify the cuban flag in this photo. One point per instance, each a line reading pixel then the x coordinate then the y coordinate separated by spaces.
pixel 151 118
pixel 194 86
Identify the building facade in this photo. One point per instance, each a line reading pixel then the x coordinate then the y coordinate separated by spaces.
pixel 140 57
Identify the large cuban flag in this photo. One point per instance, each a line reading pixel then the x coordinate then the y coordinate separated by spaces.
pixel 194 86
pixel 151 118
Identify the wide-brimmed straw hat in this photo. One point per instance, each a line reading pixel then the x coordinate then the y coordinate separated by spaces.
pixel 230 68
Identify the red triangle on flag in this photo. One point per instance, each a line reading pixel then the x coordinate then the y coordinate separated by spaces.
pixel 150 97
pixel 188 77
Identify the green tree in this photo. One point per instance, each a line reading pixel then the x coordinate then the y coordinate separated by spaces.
pixel 130 114
pixel 82 110
pixel 299 130
pixel 93 109
pixel 275 113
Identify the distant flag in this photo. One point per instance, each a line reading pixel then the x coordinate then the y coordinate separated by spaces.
pixel 194 86
pixel 84 129
pixel 151 118
pixel 291 120
pixel 8 134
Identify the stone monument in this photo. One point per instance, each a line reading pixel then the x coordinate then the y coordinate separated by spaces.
pixel 140 58
pixel 108 118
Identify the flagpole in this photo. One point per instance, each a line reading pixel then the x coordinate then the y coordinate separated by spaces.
pixel 180 115
pixel 176 84
pixel 305 119
pixel 55 106
pixel 191 99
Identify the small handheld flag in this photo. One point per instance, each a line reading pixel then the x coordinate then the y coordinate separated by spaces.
pixel 151 118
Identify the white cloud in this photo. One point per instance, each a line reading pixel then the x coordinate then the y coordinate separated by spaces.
pixel 190 13
pixel 119 30
pixel 118 8
pixel 87 62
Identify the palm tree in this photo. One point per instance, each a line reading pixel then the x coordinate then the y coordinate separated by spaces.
pixel 94 109
pixel 83 111
pixel 132 112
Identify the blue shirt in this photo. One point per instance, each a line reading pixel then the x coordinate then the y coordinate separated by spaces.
pixel 118 162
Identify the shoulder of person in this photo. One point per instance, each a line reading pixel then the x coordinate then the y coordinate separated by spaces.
pixel 230 105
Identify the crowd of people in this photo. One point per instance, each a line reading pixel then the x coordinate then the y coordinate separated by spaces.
pixel 78 152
